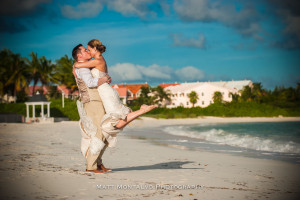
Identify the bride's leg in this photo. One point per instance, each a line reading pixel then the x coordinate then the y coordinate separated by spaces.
pixel 133 115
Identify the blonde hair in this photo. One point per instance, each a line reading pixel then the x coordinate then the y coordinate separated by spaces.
pixel 99 46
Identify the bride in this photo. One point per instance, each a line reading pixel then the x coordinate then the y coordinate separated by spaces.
pixel 117 115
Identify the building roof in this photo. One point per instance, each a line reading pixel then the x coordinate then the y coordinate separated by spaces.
pixel 46 90
pixel 237 85
pixel 64 89
pixel 183 87
pixel 134 88
pixel 38 98
pixel 38 88
pixel 230 85
pixel 164 85
pixel 122 92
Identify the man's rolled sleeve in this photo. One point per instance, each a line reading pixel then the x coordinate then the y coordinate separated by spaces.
pixel 86 75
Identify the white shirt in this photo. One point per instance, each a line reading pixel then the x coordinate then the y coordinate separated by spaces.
pixel 86 75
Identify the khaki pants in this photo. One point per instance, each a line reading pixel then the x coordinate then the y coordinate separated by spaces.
pixel 95 110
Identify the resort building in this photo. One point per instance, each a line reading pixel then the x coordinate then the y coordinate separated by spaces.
pixel 205 92
pixel 67 92
pixel 123 93
pixel 7 98
pixel 129 92
pixel 45 90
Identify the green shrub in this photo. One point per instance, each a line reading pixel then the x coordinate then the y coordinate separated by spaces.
pixel 233 109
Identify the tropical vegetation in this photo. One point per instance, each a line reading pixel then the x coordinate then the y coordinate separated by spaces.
pixel 218 97
pixel 193 96
pixel 17 73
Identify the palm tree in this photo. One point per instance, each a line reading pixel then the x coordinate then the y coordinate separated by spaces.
pixel 34 67
pixel 19 74
pixel 257 92
pixel 5 73
pixel 193 97
pixel 64 73
pixel 47 71
pixel 246 93
pixel 145 92
pixel 162 95
pixel 13 73
pixel 41 70
pixel 235 97
pixel 144 97
pixel 298 92
pixel 218 97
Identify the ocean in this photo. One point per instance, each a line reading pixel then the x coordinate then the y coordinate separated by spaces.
pixel 269 140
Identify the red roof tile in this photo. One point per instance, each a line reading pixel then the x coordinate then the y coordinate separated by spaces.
pixel 64 89
pixel 168 84
pixel 134 88
pixel 38 88
pixel 46 90
pixel 122 91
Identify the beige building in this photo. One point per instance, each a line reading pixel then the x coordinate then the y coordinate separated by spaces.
pixel 205 91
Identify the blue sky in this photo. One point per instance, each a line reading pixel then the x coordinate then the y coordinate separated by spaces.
pixel 165 41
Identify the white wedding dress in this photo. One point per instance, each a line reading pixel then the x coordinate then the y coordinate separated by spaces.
pixel 114 109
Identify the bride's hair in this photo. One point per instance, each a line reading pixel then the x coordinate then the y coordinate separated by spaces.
pixel 99 46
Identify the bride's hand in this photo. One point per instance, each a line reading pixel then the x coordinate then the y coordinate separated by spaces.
pixel 108 79
pixel 105 79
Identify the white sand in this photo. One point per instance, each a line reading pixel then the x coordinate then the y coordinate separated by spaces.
pixel 43 161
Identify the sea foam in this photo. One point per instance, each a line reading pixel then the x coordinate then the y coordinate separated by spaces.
pixel 219 136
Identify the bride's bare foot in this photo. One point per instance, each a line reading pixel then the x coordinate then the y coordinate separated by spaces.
pixel 133 115
pixel 146 108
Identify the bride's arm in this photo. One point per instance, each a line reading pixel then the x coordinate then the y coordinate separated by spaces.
pixel 87 64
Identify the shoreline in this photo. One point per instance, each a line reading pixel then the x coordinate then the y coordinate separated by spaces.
pixel 148 121
pixel 236 145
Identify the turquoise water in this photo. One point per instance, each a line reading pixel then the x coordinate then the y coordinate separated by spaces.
pixel 273 140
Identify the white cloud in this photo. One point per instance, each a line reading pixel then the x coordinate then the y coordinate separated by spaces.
pixel 289 12
pixel 125 72
pixel 92 8
pixel 156 71
pixel 166 8
pixel 189 73
pixel 130 7
pixel 82 10
pixel 244 21
pixel 180 40
pixel 129 72
pixel 132 72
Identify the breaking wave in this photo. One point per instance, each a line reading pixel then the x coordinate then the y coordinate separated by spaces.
pixel 219 136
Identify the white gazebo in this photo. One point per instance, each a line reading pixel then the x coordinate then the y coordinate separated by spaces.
pixel 38 99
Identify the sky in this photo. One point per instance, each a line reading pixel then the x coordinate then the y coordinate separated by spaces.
pixel 165 41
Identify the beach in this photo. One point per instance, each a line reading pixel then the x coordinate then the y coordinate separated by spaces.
pixel 43 161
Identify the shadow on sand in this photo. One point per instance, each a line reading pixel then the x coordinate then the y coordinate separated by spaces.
pixel 165 165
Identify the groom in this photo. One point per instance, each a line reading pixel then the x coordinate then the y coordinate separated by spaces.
pixel 93 143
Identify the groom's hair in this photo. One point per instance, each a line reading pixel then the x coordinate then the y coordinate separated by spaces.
pixel 76 51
